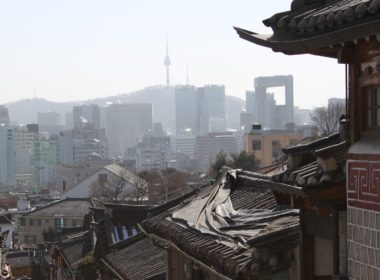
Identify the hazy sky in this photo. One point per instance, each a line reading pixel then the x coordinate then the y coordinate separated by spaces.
pixel 83 49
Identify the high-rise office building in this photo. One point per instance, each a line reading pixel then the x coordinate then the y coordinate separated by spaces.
pixel 77 144
pixel 153 152
pixel 263 106
pixel 126 125
pixel 44 160
pixel 24 137
pixel 186 109
pixel 49 122
pixel 200 110
pixel 7 164
pixel 208 146
pixel 84 114
pixel 213 109
pixel 4 115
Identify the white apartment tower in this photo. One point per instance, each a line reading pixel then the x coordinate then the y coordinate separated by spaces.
pixel 126 125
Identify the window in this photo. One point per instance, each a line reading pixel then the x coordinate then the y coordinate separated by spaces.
pixel 22 221
pixel 256 145
pixel 372 102
pixel 276 150
pixel 34 222
pixel 30 239
pixel 59 223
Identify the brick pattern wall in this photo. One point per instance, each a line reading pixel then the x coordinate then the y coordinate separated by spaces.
pixel 363 236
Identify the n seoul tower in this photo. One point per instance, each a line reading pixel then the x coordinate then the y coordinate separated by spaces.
pixel 167 63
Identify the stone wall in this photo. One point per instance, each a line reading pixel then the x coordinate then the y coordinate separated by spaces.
pixel 363 236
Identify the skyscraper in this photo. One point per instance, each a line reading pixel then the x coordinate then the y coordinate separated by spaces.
pixel 262 104
pixel 4 116
pixel 78 143
pixel 212 108
pixel 49 122
pixel 7 166
pixel 126 125
pixel 200 110
pixel 84 114
pixel 24 137
pixel 186 109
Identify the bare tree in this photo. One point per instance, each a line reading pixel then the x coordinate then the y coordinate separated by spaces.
pixel 120 187
pixel 327 118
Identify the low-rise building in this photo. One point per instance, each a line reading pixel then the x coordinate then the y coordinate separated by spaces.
pixel 208 146
pixel 109 174
pixel 153 152
pixel 267 144
pixel 40 225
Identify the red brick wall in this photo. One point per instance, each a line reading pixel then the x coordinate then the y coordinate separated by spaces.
pixel 363 189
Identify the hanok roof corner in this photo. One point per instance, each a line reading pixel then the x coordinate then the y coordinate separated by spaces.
pixel 317 28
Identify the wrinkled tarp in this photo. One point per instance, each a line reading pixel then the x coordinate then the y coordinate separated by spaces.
pixel 213 213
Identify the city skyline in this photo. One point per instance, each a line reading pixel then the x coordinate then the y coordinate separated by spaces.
pixel 79 51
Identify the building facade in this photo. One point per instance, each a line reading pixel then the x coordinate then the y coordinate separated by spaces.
pixel 24 141
pixel 4 115
pixel 7 156
pixel 208 146
pixel 200 109
pixel 267 145
pixel 44 161
pixel 262 104
pixel 126 125
pixel 77 144
pixel 41 225
pixel 84 114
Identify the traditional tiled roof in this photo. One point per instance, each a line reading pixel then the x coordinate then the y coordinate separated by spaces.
pixel 321 24
pixel 75 247
pixel 19 259
pixel 122 222
pixel 4 220
pixel 327 166
pixel 138 259
pixel 220 252
pixel 311 167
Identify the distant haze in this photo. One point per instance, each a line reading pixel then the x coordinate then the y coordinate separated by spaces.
pixel 25 111
pixel 78 50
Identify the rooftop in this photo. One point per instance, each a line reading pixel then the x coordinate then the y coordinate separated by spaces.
pixel 139 259
pixel 68 207
pixel 223 226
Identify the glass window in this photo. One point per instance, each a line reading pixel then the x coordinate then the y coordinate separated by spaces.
pixel 256 145
pixel 30 239
pixel 276 150
pixel 74 223
pixel 59 223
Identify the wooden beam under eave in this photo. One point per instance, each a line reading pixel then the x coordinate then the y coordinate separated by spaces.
pixel 347 54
